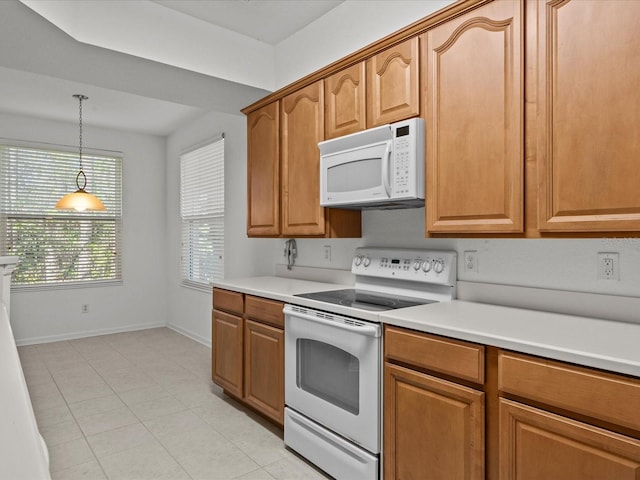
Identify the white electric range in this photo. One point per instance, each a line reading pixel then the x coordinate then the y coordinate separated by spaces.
pixel 333 360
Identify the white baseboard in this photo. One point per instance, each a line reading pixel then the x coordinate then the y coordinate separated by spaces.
pixel 87 333
pixel 193 336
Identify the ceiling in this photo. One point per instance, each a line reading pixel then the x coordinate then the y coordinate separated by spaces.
pixel 269 21
pixel 42 66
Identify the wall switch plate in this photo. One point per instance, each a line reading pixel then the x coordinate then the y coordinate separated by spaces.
pixel 326 254
pixel 85 308
pixel 608 266
pixel 471 261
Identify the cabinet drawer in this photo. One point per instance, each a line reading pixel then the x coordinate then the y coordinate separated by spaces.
pixel 267 311
pixel 535 444
pixel 608 397
pixel 228 301
pixel 463 360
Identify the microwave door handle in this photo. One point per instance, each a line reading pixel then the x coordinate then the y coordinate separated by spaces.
pixel 386 159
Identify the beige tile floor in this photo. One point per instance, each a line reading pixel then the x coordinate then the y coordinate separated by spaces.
pixel 141 405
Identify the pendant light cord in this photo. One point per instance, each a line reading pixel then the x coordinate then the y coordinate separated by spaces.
pixel 81 172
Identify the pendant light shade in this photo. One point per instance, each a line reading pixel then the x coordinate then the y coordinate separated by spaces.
pixel 80 200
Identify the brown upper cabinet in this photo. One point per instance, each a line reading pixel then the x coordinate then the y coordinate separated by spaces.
pixel 381 90
pixel 473 96
pixel 345 97
pixel 283 196
pixel 302 114
pixel 302 129
pixel 393 85
pixel 263 171
pixel 531 110
pixel 589 112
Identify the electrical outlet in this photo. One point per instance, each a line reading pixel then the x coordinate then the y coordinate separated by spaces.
pixel 327 253
pixel 471 261
pixel 608 266
pixel 85 308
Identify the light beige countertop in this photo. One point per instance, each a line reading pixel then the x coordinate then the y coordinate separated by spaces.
pixel 592 342
pixel 599 343
pixel 284 289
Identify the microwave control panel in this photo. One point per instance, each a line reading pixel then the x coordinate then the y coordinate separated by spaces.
pixel 406 171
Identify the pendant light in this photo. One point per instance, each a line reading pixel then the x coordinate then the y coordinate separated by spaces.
pixel 80 200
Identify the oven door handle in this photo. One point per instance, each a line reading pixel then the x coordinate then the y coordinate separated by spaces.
pixel 367 329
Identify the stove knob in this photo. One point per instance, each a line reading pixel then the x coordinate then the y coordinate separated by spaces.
pixel 416 264
pixel 358 260
pixel 439 266
pixel 426 266
pixel 366 262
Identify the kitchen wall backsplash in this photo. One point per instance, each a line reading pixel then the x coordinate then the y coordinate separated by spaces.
pixel 557 264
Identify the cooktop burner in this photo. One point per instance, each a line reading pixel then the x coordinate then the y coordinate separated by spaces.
pixel 364 300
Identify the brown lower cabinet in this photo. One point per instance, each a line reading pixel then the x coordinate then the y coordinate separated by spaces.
pixel 227 351
pixel 458 410
pixel 535 444
pixel 264 369
pixel 565 422
pixel 433 427
pixel 248 351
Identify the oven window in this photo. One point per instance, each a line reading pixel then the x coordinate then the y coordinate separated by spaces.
pixel 329 373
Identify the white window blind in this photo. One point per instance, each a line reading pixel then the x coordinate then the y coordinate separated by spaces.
pixel 59 248
pixel 202 214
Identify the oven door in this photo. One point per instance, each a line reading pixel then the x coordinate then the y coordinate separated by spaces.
pixel 332 373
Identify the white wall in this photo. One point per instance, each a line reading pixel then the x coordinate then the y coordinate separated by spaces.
pixel 189 309
pixel 141 301
pixel 558 264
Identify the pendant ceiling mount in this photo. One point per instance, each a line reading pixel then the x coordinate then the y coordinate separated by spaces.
pixel 80 200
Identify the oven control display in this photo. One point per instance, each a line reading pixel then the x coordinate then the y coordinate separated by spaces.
pixel 395 263
pixel 430 266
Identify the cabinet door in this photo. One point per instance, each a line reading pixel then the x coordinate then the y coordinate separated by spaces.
pixel 535 445
pixel 263 171
pixel 474 121
pixel 432 428
pixel 264 369
pixel 302 129
pixel 345 101
pixel 589 112
pixel 227 351
pixel 393 84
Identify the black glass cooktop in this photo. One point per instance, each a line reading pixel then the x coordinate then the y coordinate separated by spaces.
pixel 364 300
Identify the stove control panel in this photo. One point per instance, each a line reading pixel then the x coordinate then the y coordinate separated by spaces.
pixel 429 266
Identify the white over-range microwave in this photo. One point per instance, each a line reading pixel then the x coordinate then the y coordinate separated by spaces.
pixel 378 168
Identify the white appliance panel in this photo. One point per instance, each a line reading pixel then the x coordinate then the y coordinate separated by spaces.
pixel 353 418
pixel 336 456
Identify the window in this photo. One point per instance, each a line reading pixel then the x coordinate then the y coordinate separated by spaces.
pixel 59 248
pixel 202 214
